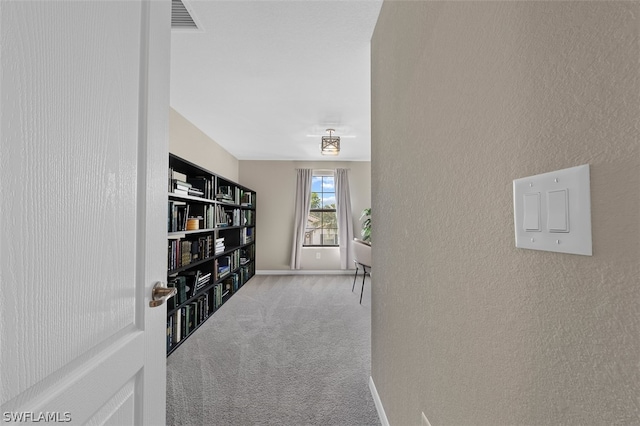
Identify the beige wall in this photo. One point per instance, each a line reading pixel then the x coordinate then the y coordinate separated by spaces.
pixel 188 142
pixel 466 97
pixel 275 184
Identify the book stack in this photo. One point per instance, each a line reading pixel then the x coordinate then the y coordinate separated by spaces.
pixel 219 245
pixel 175 176
pixel 181 187
pixel 225 194
pixel 203 185
pixel 195 192
pixel 202 281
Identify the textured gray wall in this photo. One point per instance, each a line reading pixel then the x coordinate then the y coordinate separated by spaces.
pixel 466 97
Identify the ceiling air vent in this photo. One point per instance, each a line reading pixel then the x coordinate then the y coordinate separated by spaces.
pixel 180 16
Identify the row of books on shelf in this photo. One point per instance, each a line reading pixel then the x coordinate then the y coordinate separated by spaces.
pixel 205 186
pixel 238 217
pixel 187 284
pixel 183 321
pixel 227 264
pixel 235 280
pixel 183 216
pixel 246 271
pixel 211 215
pixel 234 195
pixel 178 214
pixel 218 216
pixel 182 252
pixel 188 317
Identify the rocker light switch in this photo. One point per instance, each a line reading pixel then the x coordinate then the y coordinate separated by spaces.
pixel 558 211
pixel 552 211
pixel 532 212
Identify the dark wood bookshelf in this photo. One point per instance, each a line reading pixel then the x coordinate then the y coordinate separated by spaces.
pixel 204 202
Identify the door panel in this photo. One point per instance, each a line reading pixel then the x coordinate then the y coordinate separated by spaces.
pixel 119 410
pixel 79 188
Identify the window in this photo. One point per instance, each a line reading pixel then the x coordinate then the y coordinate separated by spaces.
pixel 322 223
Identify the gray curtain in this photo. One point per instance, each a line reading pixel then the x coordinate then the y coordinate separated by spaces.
pixel 303 203
pixel 345 218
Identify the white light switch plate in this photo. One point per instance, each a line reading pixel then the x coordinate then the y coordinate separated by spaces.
pixel 576 239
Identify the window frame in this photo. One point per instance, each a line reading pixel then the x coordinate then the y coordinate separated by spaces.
pixel 322 174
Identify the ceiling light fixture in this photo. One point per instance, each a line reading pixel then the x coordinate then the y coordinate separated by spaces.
pixel 330 145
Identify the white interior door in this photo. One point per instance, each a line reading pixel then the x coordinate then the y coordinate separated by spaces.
pixel 84 114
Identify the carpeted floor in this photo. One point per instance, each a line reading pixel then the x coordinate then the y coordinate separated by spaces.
pixel 284 350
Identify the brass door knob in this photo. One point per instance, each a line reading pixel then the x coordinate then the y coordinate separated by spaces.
pixel 160 293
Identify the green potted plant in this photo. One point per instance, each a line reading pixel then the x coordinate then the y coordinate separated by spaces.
pixel 366 225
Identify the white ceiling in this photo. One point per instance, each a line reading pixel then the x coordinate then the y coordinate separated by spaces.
pixel 265 79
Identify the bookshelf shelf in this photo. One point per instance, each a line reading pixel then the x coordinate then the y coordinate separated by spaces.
pixel 174 196
pixel 211 245
pixel 179 234
pixel 189 266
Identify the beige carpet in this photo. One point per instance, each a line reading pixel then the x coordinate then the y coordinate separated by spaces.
pixel 284 350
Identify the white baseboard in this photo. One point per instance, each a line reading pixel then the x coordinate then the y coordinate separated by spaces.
pixel 305 272
pixel 378 402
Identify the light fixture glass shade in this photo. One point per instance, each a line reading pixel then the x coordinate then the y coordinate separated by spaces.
pixel 330 145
